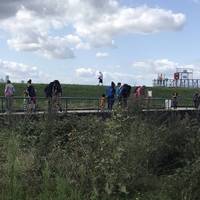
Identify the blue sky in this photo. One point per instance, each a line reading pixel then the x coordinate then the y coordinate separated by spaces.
pixel 130 41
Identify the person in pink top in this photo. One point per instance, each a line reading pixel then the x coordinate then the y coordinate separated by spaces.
pixel 9 93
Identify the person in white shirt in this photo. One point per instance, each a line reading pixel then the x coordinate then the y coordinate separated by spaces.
pixel 100 77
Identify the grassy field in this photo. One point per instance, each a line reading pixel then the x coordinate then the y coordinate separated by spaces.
pixel 96 91
pixel 68 90
pixel 93 91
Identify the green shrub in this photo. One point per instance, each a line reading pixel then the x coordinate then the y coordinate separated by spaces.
pixel 127 156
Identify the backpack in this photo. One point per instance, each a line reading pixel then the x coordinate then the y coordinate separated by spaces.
pixel 9 91
pixel 48 89
pixel 125 91
pixel 56 88
pixel 110 91
pixel 31 91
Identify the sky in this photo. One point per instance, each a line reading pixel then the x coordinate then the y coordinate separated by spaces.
pixel 129 41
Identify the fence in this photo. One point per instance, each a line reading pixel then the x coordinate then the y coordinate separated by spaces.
pixel 67 103
pixel 164 103
pixel 83 103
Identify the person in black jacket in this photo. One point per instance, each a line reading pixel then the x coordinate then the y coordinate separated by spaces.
pixel 53 91
pixel 125 93
pixel 30 90
pixel 56 96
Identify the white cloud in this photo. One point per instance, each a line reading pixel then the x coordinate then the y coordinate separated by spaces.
pixel 89 75
pixel 85 73
pixel 143 72
pixel 20 71
pixel 147 70
pixel 93 23
pixel 156 66
pixel 30 33
pixel 139 20
pixel 102 54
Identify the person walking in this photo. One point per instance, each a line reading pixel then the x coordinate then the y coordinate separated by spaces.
pixel 56 96
pixel 32 96
pixel 125 93
pixel 110 93
pixel 102 102
pixel 118 93
pixel 100 77
pixel 48 94
pixel 196 99
pixel 175 100
pixel 9 93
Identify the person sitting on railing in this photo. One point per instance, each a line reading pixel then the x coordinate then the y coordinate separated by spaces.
pixel 32 96
pixel 9 93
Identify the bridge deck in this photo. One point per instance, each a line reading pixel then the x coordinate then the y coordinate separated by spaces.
pixel 58 113
pixel 85 112
pixel 170 109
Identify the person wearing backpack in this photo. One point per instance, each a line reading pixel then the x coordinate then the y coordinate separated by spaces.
pixel 48 94
pixel 9 93
pixel 196 100
pixel 110 93
pixel 32 96
pixel 125 93
pixel 118 91
pixel 56 96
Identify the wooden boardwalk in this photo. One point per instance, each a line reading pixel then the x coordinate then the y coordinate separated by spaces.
pixel 170 109
pixel 88 112
pixel 81 112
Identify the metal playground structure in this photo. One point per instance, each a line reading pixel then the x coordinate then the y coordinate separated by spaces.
pixel 183 77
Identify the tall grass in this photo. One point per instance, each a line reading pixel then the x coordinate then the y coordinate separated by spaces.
pixel 126 157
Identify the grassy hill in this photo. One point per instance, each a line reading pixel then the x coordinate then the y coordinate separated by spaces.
pixel 96 91
pixel 68 90
pixel 167 92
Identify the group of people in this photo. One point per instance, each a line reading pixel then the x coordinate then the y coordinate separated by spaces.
pixel 119 93
pixel 53 92
pixel 29 102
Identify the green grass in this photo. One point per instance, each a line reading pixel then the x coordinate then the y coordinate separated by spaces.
pixel 94 91
pixel 167 92
pixel 68 90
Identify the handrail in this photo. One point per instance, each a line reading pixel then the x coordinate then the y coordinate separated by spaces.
pixel 84 98
pixel 92 103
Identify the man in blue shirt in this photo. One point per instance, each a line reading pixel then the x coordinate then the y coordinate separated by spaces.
pixel 110 93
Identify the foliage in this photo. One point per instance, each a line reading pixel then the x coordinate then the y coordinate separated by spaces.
pixel 127 156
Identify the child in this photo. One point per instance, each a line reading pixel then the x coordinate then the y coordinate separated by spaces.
pixel 25 101
pixel 175 100
pixel 102 102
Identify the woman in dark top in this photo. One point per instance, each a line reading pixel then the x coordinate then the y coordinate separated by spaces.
pixel 32 96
